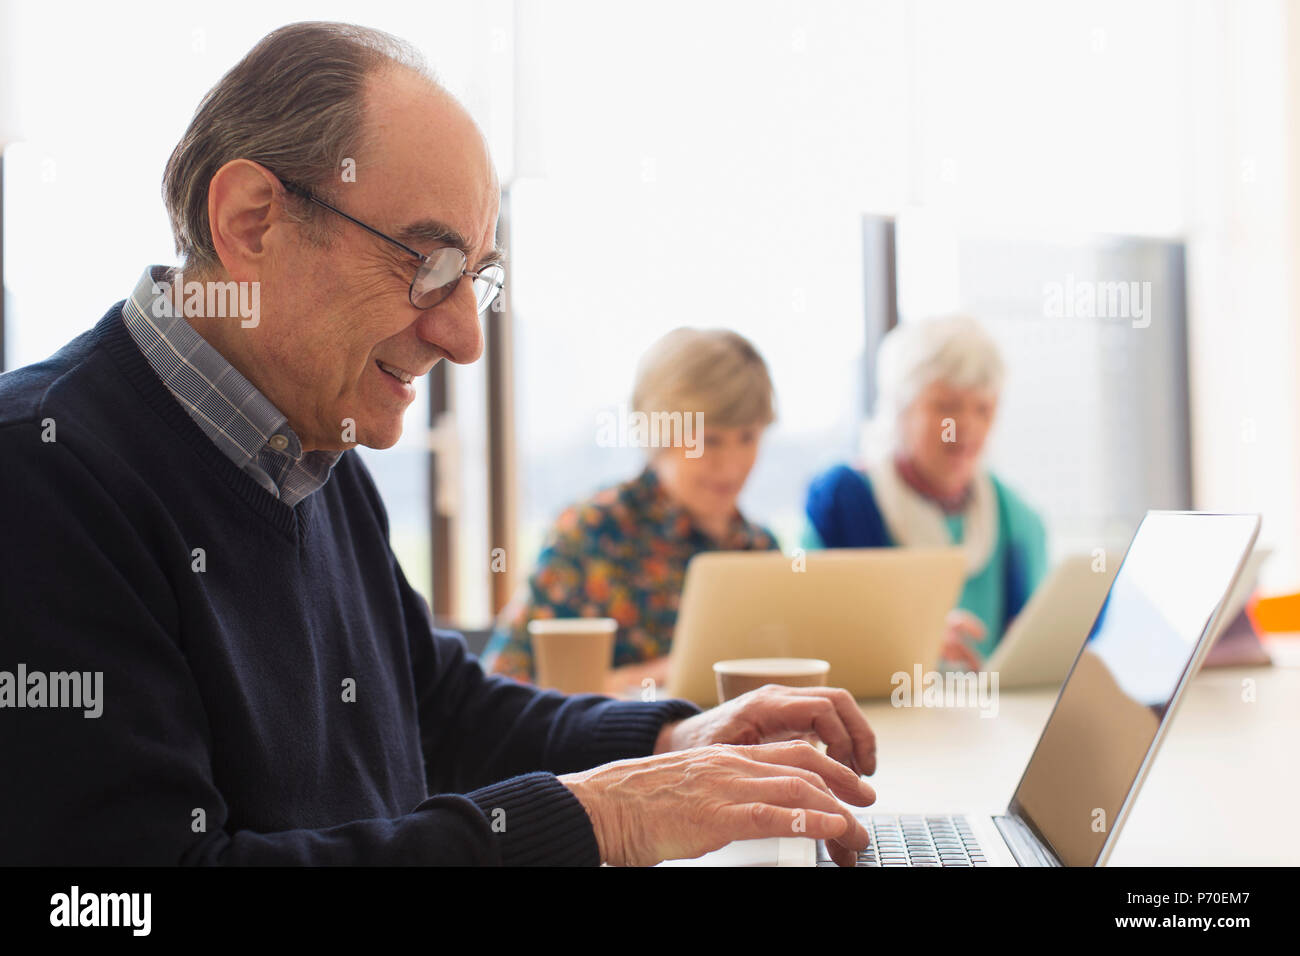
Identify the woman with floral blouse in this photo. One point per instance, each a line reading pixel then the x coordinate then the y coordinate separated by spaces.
pixel 623 552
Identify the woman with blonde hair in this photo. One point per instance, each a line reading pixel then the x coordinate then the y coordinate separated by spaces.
pixel 622 553
pixel 924 485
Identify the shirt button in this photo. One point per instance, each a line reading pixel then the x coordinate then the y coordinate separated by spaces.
pixel 279 442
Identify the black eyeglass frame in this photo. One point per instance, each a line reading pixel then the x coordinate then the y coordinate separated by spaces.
pixel 496 284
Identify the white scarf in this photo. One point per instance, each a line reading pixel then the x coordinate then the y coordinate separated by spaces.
pixel 915 521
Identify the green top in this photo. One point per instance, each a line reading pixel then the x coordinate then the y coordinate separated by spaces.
pixel 984 594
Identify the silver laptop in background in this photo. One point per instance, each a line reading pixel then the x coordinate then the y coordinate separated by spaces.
pixel 1158 620
pixel 1043 640
pixel 870 612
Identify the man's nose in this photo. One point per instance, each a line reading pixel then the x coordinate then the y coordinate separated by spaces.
pixel 453 325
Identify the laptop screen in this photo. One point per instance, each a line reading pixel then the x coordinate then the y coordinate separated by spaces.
pixel 1176 573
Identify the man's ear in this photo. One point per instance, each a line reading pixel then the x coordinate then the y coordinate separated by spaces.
pixel 244 209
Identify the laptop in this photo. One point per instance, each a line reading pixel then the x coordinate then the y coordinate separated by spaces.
pixel 1043 641
pixel 870 612
pixel 1148 640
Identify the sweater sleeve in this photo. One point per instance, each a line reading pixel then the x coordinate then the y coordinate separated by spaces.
pixel 502 742
pixel 128 778
pixel 1027 548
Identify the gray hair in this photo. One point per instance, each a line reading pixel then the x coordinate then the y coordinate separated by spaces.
pixel 953 349
pixel 294 104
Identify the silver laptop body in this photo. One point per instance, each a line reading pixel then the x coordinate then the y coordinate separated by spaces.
pixel 1112 713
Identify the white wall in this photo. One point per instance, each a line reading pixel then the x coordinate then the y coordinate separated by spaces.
pixel 708 163
pixel 1241 216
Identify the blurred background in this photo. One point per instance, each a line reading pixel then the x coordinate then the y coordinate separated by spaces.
pixel 806 173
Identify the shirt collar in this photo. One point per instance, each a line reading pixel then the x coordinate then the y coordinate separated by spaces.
pixel 227 406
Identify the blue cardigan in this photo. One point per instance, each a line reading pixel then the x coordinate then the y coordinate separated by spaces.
pixel 842 509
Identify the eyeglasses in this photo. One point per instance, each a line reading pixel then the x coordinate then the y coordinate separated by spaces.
pixel 439 272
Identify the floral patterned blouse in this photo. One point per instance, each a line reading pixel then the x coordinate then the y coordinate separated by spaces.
pixel 620 554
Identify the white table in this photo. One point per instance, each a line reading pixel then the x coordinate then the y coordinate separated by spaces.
pixel 1223 791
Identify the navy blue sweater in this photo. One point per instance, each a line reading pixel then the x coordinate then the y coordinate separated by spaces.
pixel 277 697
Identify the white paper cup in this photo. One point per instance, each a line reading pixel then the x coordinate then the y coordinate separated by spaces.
pixel 574 655
pixel 741 676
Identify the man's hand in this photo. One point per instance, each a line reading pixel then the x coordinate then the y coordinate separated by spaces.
pixel 774 713
pixel 687 803
pixel 961 628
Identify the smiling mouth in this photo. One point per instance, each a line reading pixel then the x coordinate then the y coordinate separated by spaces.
pixel 404 377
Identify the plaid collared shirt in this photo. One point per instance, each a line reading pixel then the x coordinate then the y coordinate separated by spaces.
pixel 239 419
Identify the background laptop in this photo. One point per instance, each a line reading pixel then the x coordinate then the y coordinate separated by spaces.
pixel 1147 642
pixel 870 612
pixel 1043 641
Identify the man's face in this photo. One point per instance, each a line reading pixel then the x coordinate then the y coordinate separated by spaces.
pixel 335 313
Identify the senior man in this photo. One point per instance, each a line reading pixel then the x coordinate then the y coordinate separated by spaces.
pixel 186 530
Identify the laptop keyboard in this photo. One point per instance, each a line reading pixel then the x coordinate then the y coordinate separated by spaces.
pixel 916 841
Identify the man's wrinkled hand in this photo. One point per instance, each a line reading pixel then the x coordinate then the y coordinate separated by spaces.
pixel 687 803
pixel 775 713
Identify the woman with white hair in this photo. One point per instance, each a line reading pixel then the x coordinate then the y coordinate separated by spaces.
pixel 622 553
pixel 923 485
